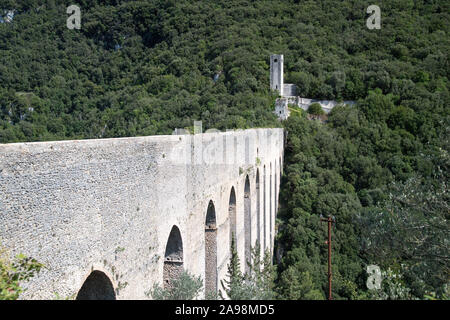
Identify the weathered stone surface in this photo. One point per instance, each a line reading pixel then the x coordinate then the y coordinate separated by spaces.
pixel 110 204
pixel 289 90
pixel 276 73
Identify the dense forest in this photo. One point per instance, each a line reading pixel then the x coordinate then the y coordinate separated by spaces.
pixel 380 167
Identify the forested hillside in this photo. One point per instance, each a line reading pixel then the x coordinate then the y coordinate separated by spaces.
pixel 147 67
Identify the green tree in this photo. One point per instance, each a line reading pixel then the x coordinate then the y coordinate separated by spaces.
pixel 233 286
pixel 185 287
pixel 298 286
pixel 15 271
pixel 316 109
pixel 260 276
pixel 411 228
pixel 256 284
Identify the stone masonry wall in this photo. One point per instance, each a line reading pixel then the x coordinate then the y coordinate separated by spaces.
pixel 109 204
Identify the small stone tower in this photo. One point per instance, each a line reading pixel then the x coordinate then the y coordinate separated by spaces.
pixel 276 73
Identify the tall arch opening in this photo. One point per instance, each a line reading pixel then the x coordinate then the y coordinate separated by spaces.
pixel 210 250
pixel 247 222
pixel 232 215
pixel 97 287
pixel 258 209
pixel 173 257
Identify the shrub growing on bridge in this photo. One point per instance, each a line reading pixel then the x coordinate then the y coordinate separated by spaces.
pixel 256 284
pixel 185 287
pixel 316 109
pixel 13 271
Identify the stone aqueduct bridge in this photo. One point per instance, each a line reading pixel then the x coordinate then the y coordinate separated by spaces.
pixel 111 217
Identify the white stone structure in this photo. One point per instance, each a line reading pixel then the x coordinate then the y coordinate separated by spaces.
pixel 282 109
pixel 111 217
pixel 276 73
pixel 327 105
pixel 304 103
pixel 289 92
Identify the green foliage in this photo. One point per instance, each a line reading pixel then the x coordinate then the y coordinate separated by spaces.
pixel 411 227
pixel 392 287
pixel 260 277
pixel 318 179
pixel 298 286
pixel 385 181
pixel 134 68
pixel 13 272
pixel 233 285
pixel 145 68
pixel 316 109
pixel 185 287
pixel 256 284
pixel 432 295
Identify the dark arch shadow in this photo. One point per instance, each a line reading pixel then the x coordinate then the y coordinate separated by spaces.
pixel 232 215
pixel 210 250
pixel 173 257
pixel 97 287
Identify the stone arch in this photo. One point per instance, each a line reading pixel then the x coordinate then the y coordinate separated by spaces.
pixel 232 215
pixel 247 222
pixel 97 286
pixel 258 210
pixel 210 249
pixel 173 257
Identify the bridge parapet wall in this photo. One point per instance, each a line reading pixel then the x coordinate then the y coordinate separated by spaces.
pixel 110 204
